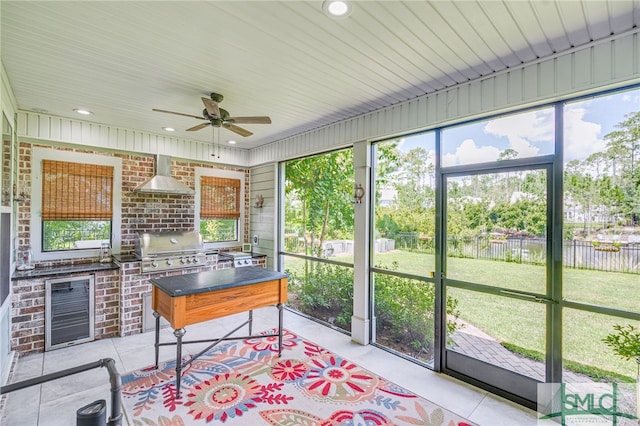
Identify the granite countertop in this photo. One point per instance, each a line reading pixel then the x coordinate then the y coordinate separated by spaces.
pixel 54 271
pixel 182 285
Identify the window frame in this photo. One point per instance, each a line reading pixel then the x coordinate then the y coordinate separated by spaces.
pixel 229 174
pixel 37 155
pixel 468 126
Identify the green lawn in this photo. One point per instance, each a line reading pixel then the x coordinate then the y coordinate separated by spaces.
pixel 521 323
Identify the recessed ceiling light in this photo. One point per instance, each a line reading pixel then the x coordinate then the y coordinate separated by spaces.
pixel 232 142
pixel 336 8
pixel 168 129
pixel 83 111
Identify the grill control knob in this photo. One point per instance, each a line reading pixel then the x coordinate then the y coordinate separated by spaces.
pixel 194 260
pixel 154 264
pixel 183 260
pixel 169 263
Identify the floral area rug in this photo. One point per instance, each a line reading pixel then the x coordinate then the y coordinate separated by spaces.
pixel 245 383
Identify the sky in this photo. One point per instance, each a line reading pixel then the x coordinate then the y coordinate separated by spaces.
pixel 532 133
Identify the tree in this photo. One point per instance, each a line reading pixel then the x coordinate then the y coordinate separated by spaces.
pixel 623 144
pixel 623 149
pixel 508 154
pixel 412 177
pixel 607 182
pixel 323 187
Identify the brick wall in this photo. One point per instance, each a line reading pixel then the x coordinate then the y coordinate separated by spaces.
pixel 107 303
pixel 161 212
pixel 118 309
pixel 140 212
pixel 28 310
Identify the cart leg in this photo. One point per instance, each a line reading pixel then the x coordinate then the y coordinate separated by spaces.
pixel 157 345
pixel 179 333
pixel 250 322
pixel 280 314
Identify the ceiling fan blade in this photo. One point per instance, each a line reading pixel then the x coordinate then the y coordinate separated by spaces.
pixel 177 113
pixel 198 127
pixel 236 129
pixel 212 107
pixel 249 120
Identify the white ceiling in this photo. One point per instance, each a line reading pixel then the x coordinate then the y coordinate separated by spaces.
pixel 284 59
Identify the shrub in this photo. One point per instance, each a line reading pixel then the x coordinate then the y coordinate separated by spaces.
pixel 404 307
pixel 625 342
pixel 405 312
pixel 325 292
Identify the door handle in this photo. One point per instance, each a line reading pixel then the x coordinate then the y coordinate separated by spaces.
pixel 527 296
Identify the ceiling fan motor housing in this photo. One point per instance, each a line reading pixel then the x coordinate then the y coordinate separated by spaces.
pixel 216 97
pixel 216 121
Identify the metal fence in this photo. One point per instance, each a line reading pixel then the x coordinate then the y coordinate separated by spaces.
pixel 584 255
pixel 575 254
pixel 413 240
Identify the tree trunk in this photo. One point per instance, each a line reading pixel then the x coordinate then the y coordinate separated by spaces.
pixel 324 226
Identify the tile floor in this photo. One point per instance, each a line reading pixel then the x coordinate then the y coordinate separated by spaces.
pixel 55 403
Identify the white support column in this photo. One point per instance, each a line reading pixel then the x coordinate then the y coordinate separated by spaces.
pixel 360 321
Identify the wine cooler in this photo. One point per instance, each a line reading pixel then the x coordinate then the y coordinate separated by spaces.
pixel 69 306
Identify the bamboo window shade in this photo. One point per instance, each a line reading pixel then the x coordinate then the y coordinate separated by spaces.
pixel 220 198
pixel 76 191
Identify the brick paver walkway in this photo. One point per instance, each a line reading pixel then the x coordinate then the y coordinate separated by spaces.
pixel 474 342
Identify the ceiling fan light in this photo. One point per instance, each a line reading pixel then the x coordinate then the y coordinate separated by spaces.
pixel 82 111
pixel 231 142
pixel 168 129
pixel 336 8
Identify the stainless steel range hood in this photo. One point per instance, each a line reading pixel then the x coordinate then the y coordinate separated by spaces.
pixel 162 182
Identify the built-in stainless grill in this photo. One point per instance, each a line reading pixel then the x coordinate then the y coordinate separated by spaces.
pixel 163 251
pixel 240 258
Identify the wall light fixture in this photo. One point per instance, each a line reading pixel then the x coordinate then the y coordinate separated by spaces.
pixel 358 193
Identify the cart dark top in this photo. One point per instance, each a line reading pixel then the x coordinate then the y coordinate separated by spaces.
pixel 181 285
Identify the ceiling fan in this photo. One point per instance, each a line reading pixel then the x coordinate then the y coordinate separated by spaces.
pixel 219 117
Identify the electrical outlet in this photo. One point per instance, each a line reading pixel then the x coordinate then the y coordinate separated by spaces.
pixel 255 240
